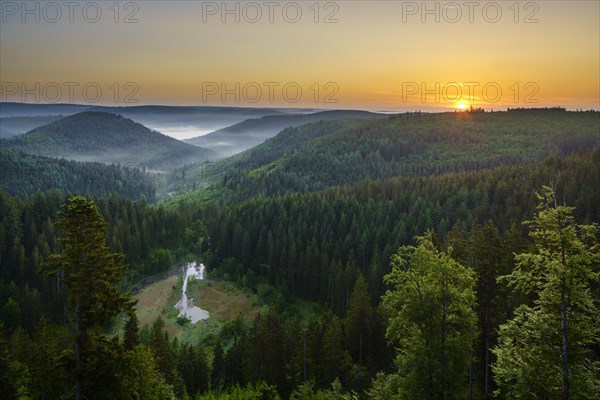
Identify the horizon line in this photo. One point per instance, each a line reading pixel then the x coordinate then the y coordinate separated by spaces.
pixel 373 109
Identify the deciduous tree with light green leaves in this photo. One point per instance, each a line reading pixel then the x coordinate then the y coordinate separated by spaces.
pixel 432 321
pixel 546 350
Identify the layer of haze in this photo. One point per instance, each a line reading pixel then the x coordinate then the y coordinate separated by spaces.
pixel 372 53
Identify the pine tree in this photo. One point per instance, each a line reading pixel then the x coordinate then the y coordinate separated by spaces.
pixel 159 343
pixel 45 363
pixel 359 321
pixel 143 381
pixel 132 331
pixel 264 351
pixel 335 359
pixel 92 274
pixel 218 367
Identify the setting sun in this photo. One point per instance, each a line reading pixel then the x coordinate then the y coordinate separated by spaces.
pixel 462 105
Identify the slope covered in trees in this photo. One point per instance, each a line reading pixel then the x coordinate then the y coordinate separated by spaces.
pixel 324 154
pixel 562 275
pixel 26 174
pixel 346 351
pixel 107 138
pixel 151 238
pixel 444 235
pixel 308 239
pixel 252 132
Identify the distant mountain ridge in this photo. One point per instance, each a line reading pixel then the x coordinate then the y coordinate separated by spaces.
pixel 107 138
pixel 175 121
pixel 252 132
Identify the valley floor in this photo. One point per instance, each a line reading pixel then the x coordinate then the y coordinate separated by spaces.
pixel 223 301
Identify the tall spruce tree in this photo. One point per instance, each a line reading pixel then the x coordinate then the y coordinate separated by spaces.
pixel 92 274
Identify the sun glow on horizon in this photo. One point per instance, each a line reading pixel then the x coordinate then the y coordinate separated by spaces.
pixel 353 54
pixel 462 105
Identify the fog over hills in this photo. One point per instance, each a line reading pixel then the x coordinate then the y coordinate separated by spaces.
pixel 14 126
pixel 107 138
pixel 180 122
pixel 249 133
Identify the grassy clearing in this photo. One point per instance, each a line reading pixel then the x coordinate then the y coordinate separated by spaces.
pixel 157 300
pixel 222 300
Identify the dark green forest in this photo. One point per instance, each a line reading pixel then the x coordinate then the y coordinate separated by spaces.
pixel 329 153
pixel 454 256
pixel 26 174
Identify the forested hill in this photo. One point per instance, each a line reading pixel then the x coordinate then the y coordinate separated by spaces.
pixel 26 174
pixel 252 132
pixel 306 240
pixel 107 138
pixel 324 154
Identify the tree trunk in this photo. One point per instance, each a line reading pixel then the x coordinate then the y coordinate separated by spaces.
pixel 471 376
pixel 565 350
pixel 304 359
pixel 486 387
pixel 78 360
pixel 512 305
pixel 563 305
pixel 443 347
pixel 360 345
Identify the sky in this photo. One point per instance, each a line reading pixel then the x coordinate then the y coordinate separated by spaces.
pixel 376 55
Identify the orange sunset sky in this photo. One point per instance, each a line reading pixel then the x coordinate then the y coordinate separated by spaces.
pixel 377 55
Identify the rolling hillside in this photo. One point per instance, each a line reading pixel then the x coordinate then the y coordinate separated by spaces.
pixel 249 133
pixel 24 175
pixel 324 154
pixel 109 139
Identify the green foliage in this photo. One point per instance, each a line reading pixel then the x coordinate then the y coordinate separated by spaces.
pixel 260 391
pixel 405 175
pixel 338 232
pixel 432 320
pixel 384 386
pixel 194 370
pixel 92 271
pixel 163 354
pixel 264 351
pixel 316 156
pixel 143 380
pixel 359 321
pixel 150 237
pixel 25 174
pixel 308 392
pixel 558 331
pixel 217 377
pixel 132 331
pixel 490 254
